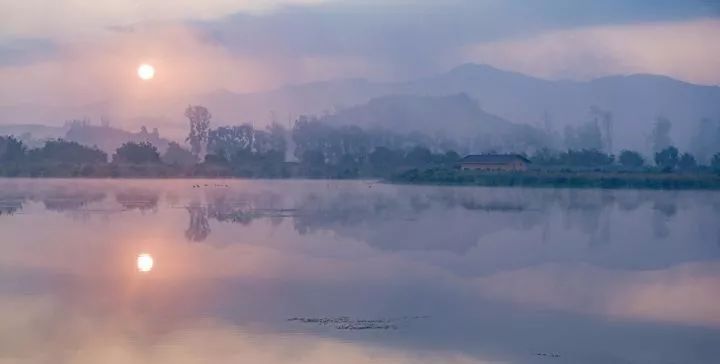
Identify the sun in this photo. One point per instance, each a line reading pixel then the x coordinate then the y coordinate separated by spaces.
pixel 146 72
pixel 145 262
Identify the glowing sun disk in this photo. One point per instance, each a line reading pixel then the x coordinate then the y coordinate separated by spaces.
pixel 145 262
pixel 146 71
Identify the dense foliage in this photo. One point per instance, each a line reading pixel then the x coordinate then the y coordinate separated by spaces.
pixel 631 159
pixel 315 149
pixel 136 153
pixel 61 151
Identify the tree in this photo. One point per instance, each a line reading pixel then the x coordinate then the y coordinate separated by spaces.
pixel 348 166
pixel 62 151
pixel 687 162
pixel 450 158
pixel 383 160
pixel 313 163
pixel 270 140
pixel 136 153
pixel 177 155
pixel 199 118
pixel 418 156
pixel 545 156
pixel 631 159
pixel 11 149
pixel 585 158
pixel 231 141
pixel 715 162
pixel 667 159
pixel 278 137
pixel 215 159
pixel 706 140
pixel 605 119
pixel 660 137
pixel 585 136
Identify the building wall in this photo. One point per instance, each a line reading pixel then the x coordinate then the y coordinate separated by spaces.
pixel 505 167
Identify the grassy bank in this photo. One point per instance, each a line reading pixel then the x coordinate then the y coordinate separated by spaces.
pixel 564 179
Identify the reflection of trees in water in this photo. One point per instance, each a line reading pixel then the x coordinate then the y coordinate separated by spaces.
pixel 586 211
pixel 55 199
pixel 630 200
pixel 450 219
pixel 417 219
pixel 10 206
pixel 664 209
pixel 70 200
pixel 142 200
pixel 243 208
pixel 199 227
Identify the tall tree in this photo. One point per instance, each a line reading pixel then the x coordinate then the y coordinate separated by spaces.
pixel 660 137
pixel 585 136
pixel 687 162
pixel 604 118
pixel 706 140
pixel 11 149
pixel 631 159
pixel 667 158
pixel 715 162
pixel 231 141
pixel 199 118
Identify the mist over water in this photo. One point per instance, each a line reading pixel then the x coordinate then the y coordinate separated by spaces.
pixel 354 271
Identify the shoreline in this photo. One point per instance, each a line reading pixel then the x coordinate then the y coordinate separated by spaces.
pixel 505 180
pixel 567 179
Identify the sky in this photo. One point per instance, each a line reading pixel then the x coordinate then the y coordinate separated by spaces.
pixel 59 52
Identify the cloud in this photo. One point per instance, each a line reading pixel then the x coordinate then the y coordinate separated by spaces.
pixel 420 37
pixel 81 52
pixel 64 19
pixel 187 63
pixel 26 51
pixel 684 50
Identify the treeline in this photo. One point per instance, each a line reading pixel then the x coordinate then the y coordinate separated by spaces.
pixel 314 149
pixel 62 158
pixel 310 149
pixel 666 160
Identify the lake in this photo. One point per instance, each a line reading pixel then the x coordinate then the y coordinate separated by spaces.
pixel 293 271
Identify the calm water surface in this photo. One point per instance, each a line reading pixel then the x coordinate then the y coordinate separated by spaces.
pixel 191 271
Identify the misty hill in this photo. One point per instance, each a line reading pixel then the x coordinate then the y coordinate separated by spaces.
pixel 109 139
pixel 425 114
pixel 316 98
pixel 635 102
pixel 36 130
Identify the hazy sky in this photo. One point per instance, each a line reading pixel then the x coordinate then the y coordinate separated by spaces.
pixel 78 51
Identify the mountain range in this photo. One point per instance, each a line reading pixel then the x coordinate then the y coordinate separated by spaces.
pixel 494 97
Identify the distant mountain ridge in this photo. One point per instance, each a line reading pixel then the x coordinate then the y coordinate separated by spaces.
pixel 423 114
pixel 635 102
